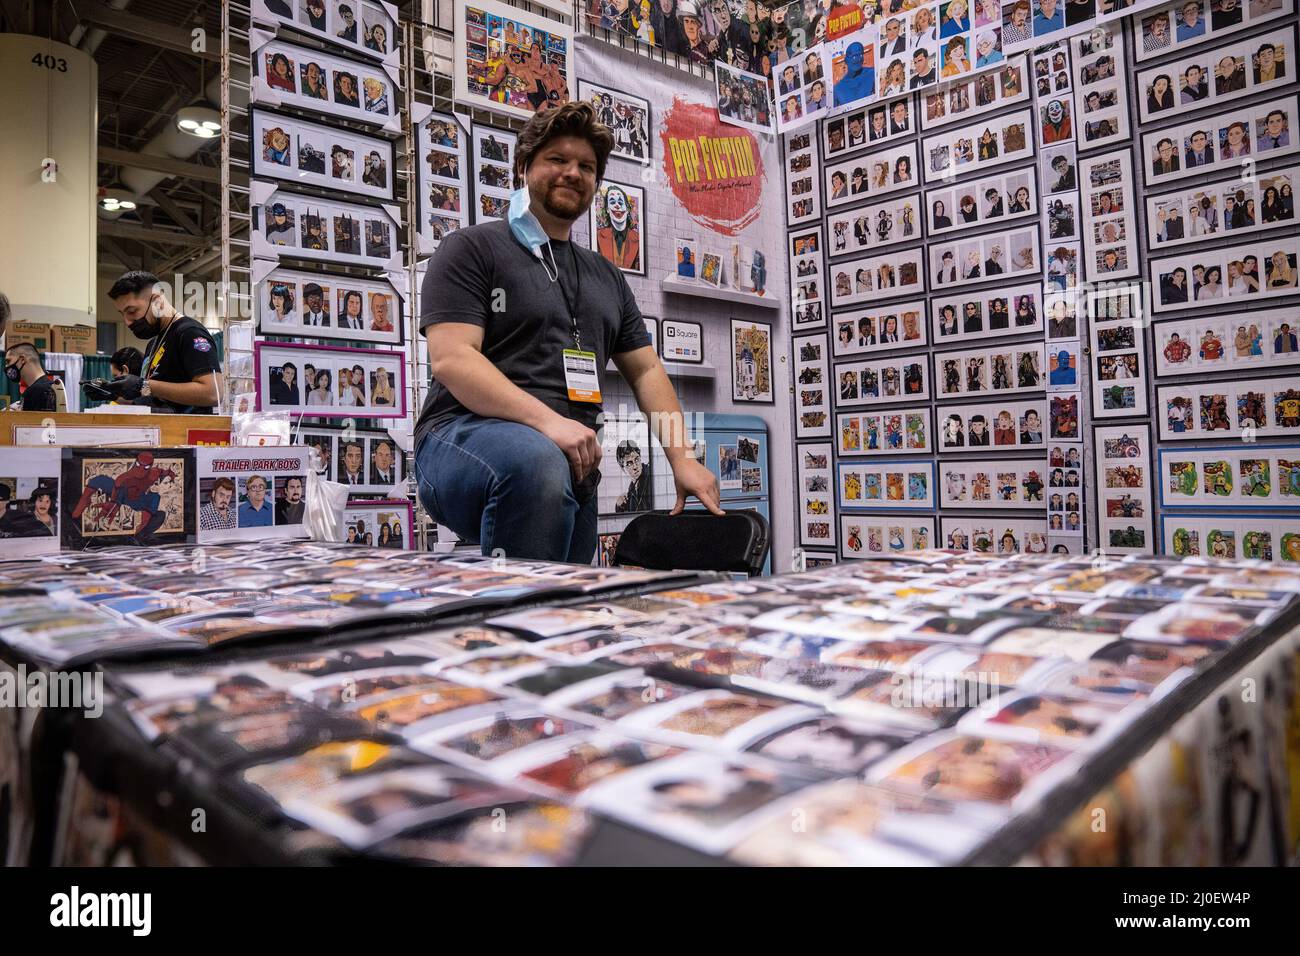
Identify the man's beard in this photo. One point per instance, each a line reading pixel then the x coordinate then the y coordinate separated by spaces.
pixel 560 209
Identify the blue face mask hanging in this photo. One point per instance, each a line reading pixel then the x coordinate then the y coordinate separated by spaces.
pixel 528 230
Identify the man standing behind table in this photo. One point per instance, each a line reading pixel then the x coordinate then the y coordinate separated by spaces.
pixel 520 323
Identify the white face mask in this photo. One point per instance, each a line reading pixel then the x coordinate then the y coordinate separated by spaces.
pixel 526 228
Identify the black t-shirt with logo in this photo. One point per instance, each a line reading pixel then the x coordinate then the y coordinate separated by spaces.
pixel 181 352
pixel 483 276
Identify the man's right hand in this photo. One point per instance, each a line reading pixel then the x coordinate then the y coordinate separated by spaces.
pixel 577 441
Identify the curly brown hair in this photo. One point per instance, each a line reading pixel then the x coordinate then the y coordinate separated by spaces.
pixel 572 119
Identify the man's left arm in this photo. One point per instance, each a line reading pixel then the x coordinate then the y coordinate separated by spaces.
pixel 656 397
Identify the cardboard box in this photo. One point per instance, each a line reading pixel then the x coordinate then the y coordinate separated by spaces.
pixel 33 333
pixel 74 338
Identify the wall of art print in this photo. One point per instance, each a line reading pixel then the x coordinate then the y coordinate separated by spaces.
pixel 124 496
pixel 359 383
pixel 617 220
pixel 983 202
pixel 1119 370
pixel 1248 409
pixel 863 129
pixel 886 485
pixel 816 511
pixel 812 382
pixel 885 276
pixel 1100 87
pixel 1110 242
pixel 30 513
pixel 1258 476
pixel 807 261
pixel 885 329
pixel 510 61
pixel 744 99
pixel 992 257
pixel 442 165
pixel 1004 370
pixel 626 115
pixel 803 173
pixel 1259 537
pixel 319 305
pixel 879 536
pixel 296 225
pixel 379 524
pixel 324 84
pixel 974 315
pixel 375 36
pixel 1010 426
pixel 875 225
pixel 984 93
pixel 308 153
pixel 250 494
pixel 715 186
pixel 1246 273
pixel 873 174
pixel 367 460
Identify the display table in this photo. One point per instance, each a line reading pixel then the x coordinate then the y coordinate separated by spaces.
pixel 112 430
pixel 323 704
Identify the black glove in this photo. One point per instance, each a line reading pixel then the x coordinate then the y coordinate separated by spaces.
pixel 127 386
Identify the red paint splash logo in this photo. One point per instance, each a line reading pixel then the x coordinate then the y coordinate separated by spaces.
pixel 715 169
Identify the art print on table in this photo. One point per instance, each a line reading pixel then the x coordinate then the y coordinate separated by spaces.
pixel 323 83
pixel 626 115
pixel 873 278
pixel 347 382
pixel 983 202
pixel 617 226
pixel 250 494
pixel 865 331
pixel 510 61
pixel 978 147
pixel 905 431
pixel 443 174
pixel 30 512
pixel 751 362
pixel 999 425
pixel 328 230
pixel 812 386
pixel 970 316
pixel 319 305
pixel 121 496
pixel 300 151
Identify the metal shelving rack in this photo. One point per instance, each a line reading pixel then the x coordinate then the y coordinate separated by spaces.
pixel 235 302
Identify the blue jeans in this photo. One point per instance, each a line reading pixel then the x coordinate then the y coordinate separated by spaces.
pixel 505 486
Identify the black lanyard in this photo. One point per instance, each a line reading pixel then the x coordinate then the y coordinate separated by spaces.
pixel 577 292
pixel 146 370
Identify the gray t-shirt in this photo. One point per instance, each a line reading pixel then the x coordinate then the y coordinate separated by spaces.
pixel 483 276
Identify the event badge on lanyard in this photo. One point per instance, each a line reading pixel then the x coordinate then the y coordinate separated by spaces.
pixel 580 369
